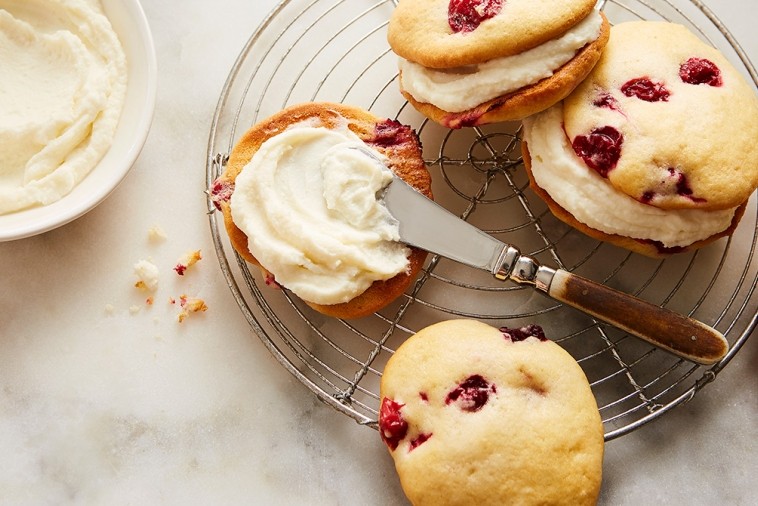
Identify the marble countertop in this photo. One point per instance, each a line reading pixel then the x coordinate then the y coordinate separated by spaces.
pixel 106 400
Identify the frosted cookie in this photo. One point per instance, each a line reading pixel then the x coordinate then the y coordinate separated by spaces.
pixel 471 62
pixel 301 203
pixel 476 415
pixel 654 153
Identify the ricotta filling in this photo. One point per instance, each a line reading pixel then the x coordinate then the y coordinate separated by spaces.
pixel 592 200
pixel 462 88
pixel 309 204
pixel 62 89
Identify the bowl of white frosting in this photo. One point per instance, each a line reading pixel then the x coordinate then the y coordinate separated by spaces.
pixel 77 100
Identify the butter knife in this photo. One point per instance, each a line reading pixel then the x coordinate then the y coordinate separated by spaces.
pixel 425 224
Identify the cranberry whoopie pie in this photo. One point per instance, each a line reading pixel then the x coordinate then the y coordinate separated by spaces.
pixel 471 62
pixel 656 150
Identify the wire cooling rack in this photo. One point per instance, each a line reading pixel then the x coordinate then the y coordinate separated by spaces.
pixel 336 50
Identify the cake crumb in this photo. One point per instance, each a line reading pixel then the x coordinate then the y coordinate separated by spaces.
pixel 134 309
pixel 156 234
pixel 109 309
pixel 147 275
pixel 189 259
pixel 190 305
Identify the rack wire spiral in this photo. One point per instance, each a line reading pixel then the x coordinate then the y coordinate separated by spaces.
pixel 336 50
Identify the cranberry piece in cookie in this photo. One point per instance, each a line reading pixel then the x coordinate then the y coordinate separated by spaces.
pixel 467 15
pixel 391 132
pixel 392 425
pixel 645 89
pixel 676 183
pixel 600 150
pixel 472 394
pixel 221 191
pixel 607 101
pixel 523 333
pixel 419 440
pixel 700 71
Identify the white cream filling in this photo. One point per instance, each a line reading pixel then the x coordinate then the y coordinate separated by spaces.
pixel 462 88
pixel 593 201
pixel 308 204
pixel 62 88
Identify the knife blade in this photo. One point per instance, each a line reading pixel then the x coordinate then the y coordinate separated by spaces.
pixel 425 224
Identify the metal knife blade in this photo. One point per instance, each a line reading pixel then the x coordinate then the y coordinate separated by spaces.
pixel 425 224
pixel 445 234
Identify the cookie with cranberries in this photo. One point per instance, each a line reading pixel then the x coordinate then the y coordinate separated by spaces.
pixel 472 62
pixel 473 414
pixel 687 119
pixel 398 143
pixel 655 151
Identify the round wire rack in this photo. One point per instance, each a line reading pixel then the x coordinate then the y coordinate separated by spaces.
pixel 336 50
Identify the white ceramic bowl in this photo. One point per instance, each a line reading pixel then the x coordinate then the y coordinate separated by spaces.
pixel 129 22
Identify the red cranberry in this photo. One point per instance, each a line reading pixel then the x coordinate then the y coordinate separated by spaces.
pixel 472 394
pixel 462 120
pixel 221 191
pixel 601 149
pixel 700 71
pixel 645 89
pixel 523 333
pixel 392 133
pixel 270 280
pixel 680 185
pixel 392 425
pixel 683 187
pixel 607 101
pixel 421 439
pixel 467 15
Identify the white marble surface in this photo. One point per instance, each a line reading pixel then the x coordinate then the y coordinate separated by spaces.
pixel 122 407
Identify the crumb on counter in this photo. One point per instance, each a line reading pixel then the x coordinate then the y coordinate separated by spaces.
pixel 147 275
pixel 134 309
pixel 156 234
pixel 190 305
pixel 185 262
pixel 109 309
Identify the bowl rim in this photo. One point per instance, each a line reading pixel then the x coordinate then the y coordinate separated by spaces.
pixel 130 24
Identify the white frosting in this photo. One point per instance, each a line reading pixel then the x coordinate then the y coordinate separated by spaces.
pixel 462 88
pixel 62 88
pixel 308 204
pixel 593 201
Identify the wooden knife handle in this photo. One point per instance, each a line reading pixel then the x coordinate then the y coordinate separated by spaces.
pixel 683 336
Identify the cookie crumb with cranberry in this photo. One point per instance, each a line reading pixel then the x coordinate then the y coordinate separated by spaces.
pixel 189 305
pixel 188 260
